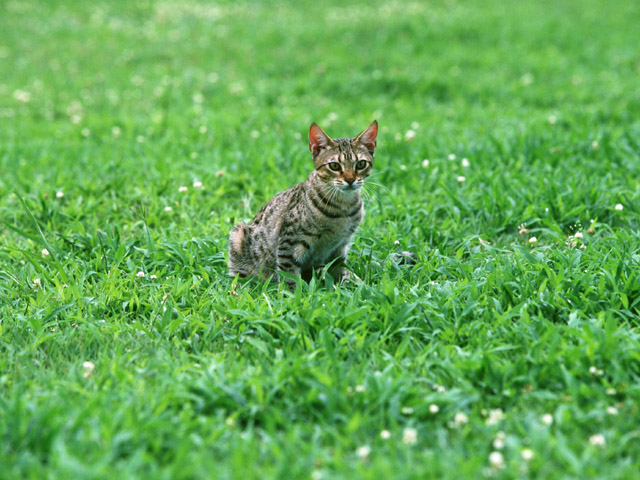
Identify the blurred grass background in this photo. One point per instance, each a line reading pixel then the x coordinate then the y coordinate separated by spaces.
pixel 108 108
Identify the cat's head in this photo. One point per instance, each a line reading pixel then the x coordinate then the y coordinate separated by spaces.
pixel 343 163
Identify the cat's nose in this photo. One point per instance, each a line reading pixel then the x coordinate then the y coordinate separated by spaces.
pixel 350 181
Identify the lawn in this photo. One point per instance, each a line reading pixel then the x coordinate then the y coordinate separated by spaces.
pixel 134 135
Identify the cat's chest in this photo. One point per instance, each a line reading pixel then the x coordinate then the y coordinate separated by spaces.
pixel 330 236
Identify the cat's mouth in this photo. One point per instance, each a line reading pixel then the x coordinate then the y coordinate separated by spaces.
pixel 354 187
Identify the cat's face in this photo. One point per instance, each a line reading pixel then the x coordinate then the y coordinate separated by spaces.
pixel 343 164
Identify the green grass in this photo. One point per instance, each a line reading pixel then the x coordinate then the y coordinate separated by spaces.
pixel 117 104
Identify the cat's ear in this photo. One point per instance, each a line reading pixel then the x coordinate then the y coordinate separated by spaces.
pixel 368 137
pixel 318 140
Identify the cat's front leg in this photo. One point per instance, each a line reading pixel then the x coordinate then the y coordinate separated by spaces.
pixel 290 259
pixel 338 269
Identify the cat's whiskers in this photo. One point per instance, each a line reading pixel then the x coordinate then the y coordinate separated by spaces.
pixel 374 175
pixel 378 185
pixel 343 195
pixel 369 191
pixel 331 190
pixel 365 193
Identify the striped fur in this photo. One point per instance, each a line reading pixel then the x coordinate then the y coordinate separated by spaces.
pixel 310 224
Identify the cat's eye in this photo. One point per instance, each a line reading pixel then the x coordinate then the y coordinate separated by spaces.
pixel 361 164
pixel 335 166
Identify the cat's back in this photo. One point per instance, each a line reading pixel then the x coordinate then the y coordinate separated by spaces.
pixel 278 208
pixel 252 247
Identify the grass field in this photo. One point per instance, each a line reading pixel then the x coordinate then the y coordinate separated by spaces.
pixel 133 135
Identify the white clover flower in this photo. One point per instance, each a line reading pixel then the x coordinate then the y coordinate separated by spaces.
pixel 153 277
pixel 460 419
pixel 45 252
pixel 316 475
pixel 407 410
pixel 360 388
pixel 183 188
pixel 385 434
pixel 433 408
pixel 59 194
pixel 116 131
pixel 527 454
pixel 533 240
pixel 409 135
pixel 527 79
pixel 461 179
pixel 610 391
pixel 596 372
pixel 597 440
pixel 619 207
pixel 363 451
pixel 498 443
pixel 396 242
pixel 612 410
pixel 230 422
pixel 452 157
pixel 89 367
pixel 578 235
pixel 168 208
pixel 425 163
pixel 595 145
pixel 409 436
pixel 197 184
pixel 495 416
pixel 22 96
pixel 140 274
pixel 465 162
pixel 37 283
pixel 496 459
pixel 547 419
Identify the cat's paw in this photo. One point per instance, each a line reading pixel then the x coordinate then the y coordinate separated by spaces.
pixel 407 259
pixel 349 277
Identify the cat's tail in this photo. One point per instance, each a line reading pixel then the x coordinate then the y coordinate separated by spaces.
pixel 239 249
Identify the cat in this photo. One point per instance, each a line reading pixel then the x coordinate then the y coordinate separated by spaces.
pixel 302 229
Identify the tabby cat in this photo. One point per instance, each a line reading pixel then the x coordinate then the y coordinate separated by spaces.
pixel 311 224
